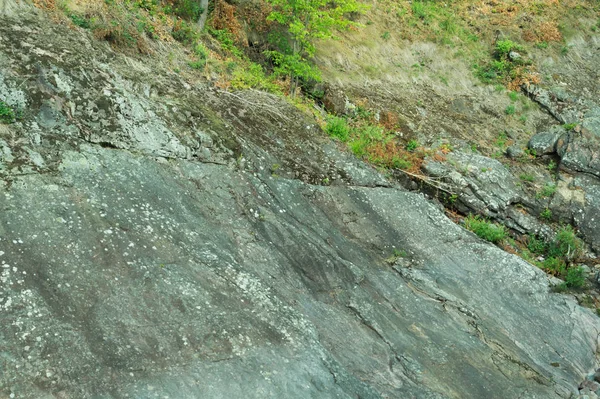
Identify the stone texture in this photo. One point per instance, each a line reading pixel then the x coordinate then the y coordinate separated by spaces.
pixel 545 142
pixel 483 185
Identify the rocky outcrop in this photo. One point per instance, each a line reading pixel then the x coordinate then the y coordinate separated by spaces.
pixel 159 238
pixel 481 184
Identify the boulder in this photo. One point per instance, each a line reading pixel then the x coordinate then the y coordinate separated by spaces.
pixel 545 142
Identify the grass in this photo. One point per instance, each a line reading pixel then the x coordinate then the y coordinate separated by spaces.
pixel 527 177
pixel 547 191
pixel 485 229
pixel 546 214
pixel 338 128
pixel 558 253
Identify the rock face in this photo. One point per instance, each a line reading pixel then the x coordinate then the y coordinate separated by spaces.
pixel 159 239
pixel 482 184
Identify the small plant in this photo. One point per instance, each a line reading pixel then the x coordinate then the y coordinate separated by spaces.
pixel 412 145
pixel 566 245
pixel 484 229
pixel 199 65
pixel 531 152
pixel 419 10
pixel 548 191
pixel 80 21
pixel 386 35
pixel 536 245
pixel 513 95
pixel 7 114
pixel 551 166
pixel 396 254
pixel 504 47
pixel 184 32
pixel 569 126
pixel 338 128
pixel 510 110
pixel 575 277
pixel 542 45
pixel 527 177
pixel 546 214
pixel 502 140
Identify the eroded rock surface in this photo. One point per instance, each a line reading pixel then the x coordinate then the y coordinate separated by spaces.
pixel 161 239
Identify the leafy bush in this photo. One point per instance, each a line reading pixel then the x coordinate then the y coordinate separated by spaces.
pixel 536 245
pixel 546 214
pixel 504 47
pixel 556 266
pixel 187 9
pixel 510 110
pixel 338 127
pixel 566 244
pixel 412 145
pixel 7 114
pixel 548 190
pixel 484 229
pixel 575 277
pixel 184 32
pixel 527 177
pixel 80 21
pixel 252 76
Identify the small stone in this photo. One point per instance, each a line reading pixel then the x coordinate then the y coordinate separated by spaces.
pixel 588 385
pixel 513 55
pixel 514 152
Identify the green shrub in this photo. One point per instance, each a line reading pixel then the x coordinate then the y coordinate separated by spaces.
pixel 510 110
pixel 566 244
pixel 546 214
pixel 226 39
pixel 184 32
pixel 80 21
pixel 338 127
pixel 7 114
pixel 504 47
pixel 527 177
pixel 548 190
pixel 536 245
pixel 199 64
pixel 419 10
pixel 412 145
pixel 484 229
pixel 252 76
pixel 513 95
pixel 187 9
pixel 575 277
pixel 400 163
pixel 555 266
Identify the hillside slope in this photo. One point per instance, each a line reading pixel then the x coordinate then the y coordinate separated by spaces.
pixel 163 238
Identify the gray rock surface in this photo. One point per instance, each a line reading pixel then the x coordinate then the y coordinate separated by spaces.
pixel 545 142
pixel 483 185
pixel 580 151
pixel 588 219
pixel 133 263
